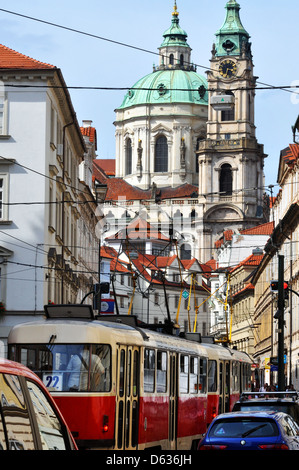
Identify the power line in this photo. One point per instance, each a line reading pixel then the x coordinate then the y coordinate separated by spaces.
pixel 120 43
pixel 101 88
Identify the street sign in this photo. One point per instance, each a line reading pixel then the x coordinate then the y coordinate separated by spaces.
pixel 185 294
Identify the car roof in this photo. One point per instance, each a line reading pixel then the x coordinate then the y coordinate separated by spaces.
pixel 276 396
pixel 11 367
pixel 267 400
pixel 251 414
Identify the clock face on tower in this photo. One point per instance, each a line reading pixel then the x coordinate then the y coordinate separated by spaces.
pixel 227 68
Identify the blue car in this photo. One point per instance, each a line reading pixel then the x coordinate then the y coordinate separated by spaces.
pixel 252 431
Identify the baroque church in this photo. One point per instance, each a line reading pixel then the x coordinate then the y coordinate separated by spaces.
pixel 187 157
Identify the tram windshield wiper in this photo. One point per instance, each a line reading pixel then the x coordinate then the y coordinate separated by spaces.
pixel 250 431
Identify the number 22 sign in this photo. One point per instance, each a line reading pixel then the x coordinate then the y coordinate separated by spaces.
pixel 53 382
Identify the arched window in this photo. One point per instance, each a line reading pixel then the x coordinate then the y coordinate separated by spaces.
pixel 171 59
pixel 181 60
pixel 226 180
pixel 193 216
pixel 198 140
pixel 128 156
pixel 161 154
pixel 186 251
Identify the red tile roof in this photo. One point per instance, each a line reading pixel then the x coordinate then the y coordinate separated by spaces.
pixel 139 229
pixel 115 264
pixel 227 235
pixel 10 59
pixel 117 187
pixel 99 175
pixel 263 229
pixel 248 288
pixel 251 260
pixel 107 165
pixel 290 154
pixel 90 132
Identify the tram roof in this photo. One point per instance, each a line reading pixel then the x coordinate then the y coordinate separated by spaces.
pixel 65 331
pixel 81 331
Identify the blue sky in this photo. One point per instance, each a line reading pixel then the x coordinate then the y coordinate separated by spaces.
pixel 91 62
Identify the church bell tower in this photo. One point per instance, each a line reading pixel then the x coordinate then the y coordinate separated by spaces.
pixel 230 159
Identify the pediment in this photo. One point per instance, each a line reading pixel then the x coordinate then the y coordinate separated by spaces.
pixel 160 128
pixel 5 253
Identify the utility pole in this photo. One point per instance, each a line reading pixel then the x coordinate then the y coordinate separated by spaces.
pixel 281 299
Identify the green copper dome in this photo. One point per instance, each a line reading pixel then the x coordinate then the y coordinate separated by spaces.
pixel 175 80
pixel 167 86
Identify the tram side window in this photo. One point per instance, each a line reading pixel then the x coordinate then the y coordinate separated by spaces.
pixel 236 376
pixel 246 377
pixel 194 370
pixel 149 370
pixel 161 371
pixel 212 376
pixel 184 373
pixel 100 368
pixel 203 375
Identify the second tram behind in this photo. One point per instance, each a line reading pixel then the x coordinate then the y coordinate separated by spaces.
pixel 120 386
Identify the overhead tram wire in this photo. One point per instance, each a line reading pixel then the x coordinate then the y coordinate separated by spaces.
pixel 101 88
pixel 120 43
pixel 254 188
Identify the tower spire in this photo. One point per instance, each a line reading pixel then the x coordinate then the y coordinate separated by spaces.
pixel 175 12
pixel 232 38
pixel 174 49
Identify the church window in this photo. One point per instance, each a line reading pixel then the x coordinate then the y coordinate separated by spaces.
pixel 181 59
pixel 171 59
pixel 226 180
pixel 198 140
pixel 161 154
pixel 193 216
pixel 128 156
pixel 186 251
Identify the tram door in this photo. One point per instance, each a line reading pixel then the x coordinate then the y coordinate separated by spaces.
pixel 127 397
pixel 224 386
pixel 173 400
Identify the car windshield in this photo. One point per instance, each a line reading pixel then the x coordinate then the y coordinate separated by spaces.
pixel 242 427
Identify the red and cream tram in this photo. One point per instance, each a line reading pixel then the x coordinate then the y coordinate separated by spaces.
pixel 120 386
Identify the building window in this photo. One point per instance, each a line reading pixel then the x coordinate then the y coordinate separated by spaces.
pixel 226 180
pixel 161 154
pixel 186 251
pixel 198 140
pixel 3 130
pixel 171 59
pixel 181 60
pixel 3 197
pixel 229 114
pixel 128 156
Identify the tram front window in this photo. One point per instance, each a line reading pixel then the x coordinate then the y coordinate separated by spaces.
pixel 69 367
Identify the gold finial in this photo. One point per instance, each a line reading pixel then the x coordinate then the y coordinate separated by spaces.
pixel 175 10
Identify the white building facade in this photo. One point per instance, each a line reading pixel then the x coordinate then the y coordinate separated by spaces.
pixel 41 148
